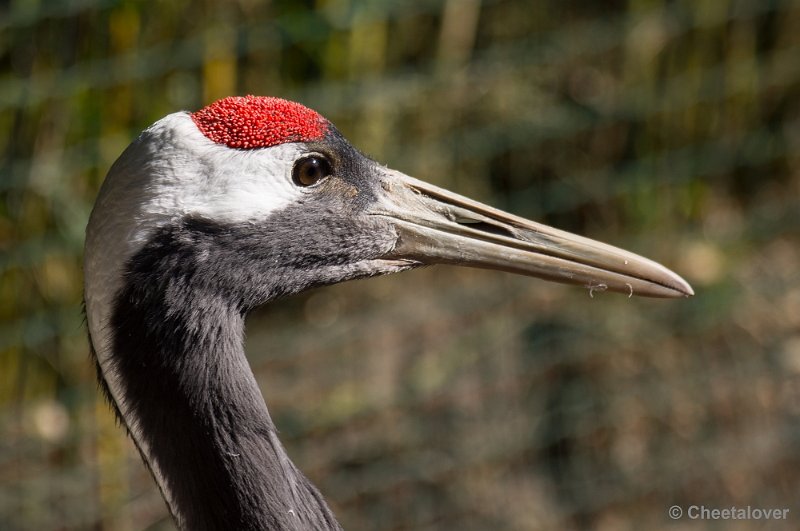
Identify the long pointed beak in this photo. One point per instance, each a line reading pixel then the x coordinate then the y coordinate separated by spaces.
pixel 436 226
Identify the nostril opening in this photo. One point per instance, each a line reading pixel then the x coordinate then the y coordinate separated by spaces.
pixel 490 228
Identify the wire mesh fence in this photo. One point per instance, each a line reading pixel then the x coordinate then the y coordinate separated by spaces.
pixel 442 398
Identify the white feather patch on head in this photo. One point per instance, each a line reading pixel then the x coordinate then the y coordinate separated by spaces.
pixel 171 171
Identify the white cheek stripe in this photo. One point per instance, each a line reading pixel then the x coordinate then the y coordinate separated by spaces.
pixel 231 186
pixel 172 170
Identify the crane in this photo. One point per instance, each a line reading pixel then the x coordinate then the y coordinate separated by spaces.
pixel 209 214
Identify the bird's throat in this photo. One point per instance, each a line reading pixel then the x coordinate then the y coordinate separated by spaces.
pixel 185 390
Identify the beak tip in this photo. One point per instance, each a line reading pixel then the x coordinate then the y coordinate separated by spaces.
pixel 683 288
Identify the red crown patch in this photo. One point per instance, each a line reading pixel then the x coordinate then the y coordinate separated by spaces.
pixel 252 122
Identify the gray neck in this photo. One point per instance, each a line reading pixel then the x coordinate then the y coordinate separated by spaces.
pixel 195 406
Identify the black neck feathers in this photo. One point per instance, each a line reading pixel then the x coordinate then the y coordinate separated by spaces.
pixel 190 398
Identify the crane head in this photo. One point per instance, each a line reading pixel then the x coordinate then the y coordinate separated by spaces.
pixel 268 198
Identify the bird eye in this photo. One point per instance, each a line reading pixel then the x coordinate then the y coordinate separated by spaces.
pixel 310 170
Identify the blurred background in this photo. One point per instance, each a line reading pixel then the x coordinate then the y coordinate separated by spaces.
pixel 442 398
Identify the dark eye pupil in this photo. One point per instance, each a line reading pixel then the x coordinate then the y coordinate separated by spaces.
pixel 311 170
